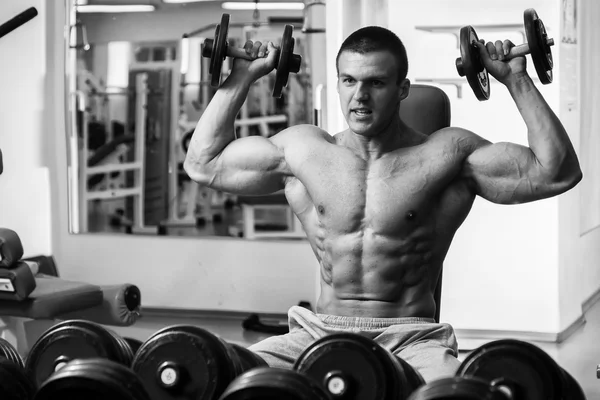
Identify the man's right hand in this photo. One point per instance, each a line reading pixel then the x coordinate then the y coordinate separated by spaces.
pixel 264 61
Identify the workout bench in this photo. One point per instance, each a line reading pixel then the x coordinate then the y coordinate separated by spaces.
pixel 54 299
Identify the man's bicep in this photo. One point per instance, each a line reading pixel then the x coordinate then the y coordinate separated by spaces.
pixel 505 173
pixel 252 165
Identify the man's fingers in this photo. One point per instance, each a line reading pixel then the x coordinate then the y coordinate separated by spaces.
pixel 499 49
pixel 248 46
pixel 255 49
pixel 506 46
pixel 491 49
pixel 262 50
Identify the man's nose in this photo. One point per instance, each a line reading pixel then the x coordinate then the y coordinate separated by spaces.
pixel 361 93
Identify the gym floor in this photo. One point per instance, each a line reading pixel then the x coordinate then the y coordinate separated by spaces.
pixel 579 354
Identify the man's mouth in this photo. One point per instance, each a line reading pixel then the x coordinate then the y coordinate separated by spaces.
pixel 362 111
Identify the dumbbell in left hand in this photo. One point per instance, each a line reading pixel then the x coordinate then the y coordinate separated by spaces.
pixel 538 45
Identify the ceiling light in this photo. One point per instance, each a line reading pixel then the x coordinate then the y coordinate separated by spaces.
pixel 262 6
pixel 115 8
pixel 182 1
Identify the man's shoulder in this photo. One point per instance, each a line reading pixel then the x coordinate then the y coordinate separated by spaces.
pixel 302 133
pixel 457 138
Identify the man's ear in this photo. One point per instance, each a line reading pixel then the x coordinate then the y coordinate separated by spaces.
pixel 404 89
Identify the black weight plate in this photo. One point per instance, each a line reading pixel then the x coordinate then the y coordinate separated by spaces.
pixel 14 383
pixel 571 388
pixel 66 341
pixel 8 351
pixel 472 67
pixel 248 358
pixel 126 351
pixel 93 379
pixel 526 369
pixel 363 367
pixel 284 62
pixel 458 388
pixel 414 379
pixel 219 51
pixel 541 54
pixel 266 383
pixel 181 362
pixel 134 344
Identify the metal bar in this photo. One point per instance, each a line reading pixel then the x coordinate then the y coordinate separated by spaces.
pixel 113 193
pixel 113 167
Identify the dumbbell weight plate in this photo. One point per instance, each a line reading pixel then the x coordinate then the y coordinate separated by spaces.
pixel 186 359
pixel 134 344
pixel 286 52
pixel 537 39
pixel 472 67
pixel 14 383
pixel 526 369
pixel 219 51
pixel 266 383
pixel 571 388
pixel 458 388
pixel 8 351
pixel 126 350
pixel 93 379
pixel 69 340
pixel 355 366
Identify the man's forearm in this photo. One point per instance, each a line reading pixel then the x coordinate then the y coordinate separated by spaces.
pixel 547 136
pixel 216 129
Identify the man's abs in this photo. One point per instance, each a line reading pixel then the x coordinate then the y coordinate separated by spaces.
pixel 363 274
pixel 381 231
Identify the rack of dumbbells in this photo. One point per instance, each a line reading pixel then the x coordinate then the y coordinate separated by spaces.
pixel 78 359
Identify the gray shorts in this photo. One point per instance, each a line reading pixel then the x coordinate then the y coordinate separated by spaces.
pixel 430 347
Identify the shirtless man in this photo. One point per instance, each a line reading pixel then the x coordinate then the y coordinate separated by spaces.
pixel 380 202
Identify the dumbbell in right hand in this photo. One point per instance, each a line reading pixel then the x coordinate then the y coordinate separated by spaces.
pixel 218 49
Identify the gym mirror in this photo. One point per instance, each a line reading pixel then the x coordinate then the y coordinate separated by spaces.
pixel 137 85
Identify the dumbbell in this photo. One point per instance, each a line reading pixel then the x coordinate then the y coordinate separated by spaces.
pixel 74 340
pixel 274 383
pixel 93 378
pixel 353 367
pixel 14 382
pixel 522 371
pixel 218 48
pixel 188 359
pixel 454 388
pixel 538 45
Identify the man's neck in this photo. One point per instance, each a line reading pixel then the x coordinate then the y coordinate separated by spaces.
pixel 393 137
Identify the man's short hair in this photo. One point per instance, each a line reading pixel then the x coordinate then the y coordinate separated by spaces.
pixel 376 38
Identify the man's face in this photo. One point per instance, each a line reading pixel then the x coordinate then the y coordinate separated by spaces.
pixel 369 90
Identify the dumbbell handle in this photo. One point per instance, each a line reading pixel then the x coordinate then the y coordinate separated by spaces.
pixel 235 52
pixel 517 51
pixel 523 50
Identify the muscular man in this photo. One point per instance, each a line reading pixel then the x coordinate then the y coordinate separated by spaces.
pixel 380 202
